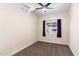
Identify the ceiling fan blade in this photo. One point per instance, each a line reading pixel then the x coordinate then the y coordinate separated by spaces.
pixel 41 4
pixel 25 5
pixel 47 4
pixel 39 8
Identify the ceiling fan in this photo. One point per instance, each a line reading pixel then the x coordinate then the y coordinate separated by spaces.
pixel 44 7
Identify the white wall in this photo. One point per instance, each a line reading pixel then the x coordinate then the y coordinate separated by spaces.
pixel 65 29
pixel 74 29
pixel 16 31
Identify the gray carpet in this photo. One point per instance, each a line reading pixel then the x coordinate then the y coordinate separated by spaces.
pixel 45 49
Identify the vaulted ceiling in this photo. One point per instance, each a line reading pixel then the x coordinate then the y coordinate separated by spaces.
pixel 56 7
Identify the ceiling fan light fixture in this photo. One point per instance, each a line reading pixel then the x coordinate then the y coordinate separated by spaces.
pixel 44 9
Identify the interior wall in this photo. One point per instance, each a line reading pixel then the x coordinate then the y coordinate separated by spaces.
pixel 64 16
pixel 17 31
pixel 74 29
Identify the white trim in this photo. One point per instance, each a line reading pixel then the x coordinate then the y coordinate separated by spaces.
pixel 53 42
pixel 72 51
pixel 21 49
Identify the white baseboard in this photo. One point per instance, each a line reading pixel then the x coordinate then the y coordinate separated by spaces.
pixel 54 42
pixel 72 51
pixel 27 46
pixel 21 48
